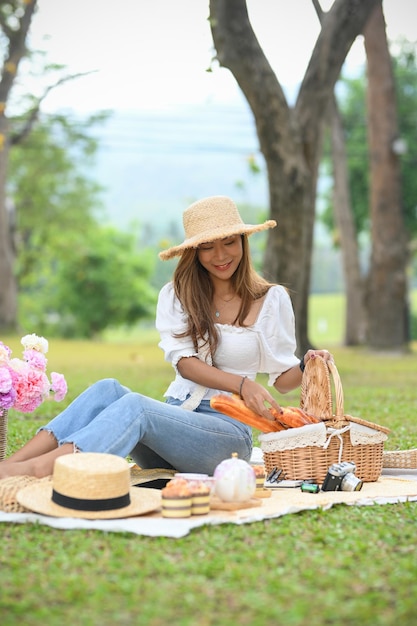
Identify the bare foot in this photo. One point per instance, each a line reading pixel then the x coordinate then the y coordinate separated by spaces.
pixel 39 466
pixel 40 444
pixel 8 469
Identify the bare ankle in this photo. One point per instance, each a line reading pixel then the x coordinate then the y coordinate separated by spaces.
pixel 7 470
pixel 43 442
pixel 43 465
pixel 39 466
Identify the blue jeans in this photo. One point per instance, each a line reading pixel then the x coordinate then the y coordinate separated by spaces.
pixel 108 417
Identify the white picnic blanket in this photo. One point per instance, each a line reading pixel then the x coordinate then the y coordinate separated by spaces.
pixel 393 486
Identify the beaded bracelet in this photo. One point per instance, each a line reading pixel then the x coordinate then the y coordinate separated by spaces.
pixel 241 385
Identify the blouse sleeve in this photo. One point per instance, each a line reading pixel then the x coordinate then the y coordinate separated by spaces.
pixel 278 334
pixel 171 320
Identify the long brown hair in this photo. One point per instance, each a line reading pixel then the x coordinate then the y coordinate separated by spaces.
pixel 194 289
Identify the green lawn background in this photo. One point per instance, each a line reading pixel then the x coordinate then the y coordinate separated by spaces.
pixel 348 566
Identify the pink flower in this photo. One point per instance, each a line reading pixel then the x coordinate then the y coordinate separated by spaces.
pixel 31 386
pixel 7 399
pixel 5 353
pixel 24 384
pixel 59 386
pixel 5 380
pixel 35 359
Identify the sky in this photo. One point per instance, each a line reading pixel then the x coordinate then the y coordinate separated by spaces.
pixel 153 54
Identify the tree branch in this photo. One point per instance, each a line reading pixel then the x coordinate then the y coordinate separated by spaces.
pixel 238 49
pixel 17 49
pixel 341 26
pixel 342 23
pixel 319 10
pixel 33 115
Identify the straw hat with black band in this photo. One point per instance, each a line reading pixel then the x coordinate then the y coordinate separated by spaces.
pixel 216 217
pixel 89 485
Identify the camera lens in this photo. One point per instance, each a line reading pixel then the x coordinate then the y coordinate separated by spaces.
pixel 351 482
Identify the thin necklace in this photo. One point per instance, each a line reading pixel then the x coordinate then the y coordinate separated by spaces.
pixel 217 312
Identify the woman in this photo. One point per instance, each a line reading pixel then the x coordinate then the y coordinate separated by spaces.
pixel 220 325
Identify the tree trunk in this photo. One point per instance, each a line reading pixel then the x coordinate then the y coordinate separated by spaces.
pixel 354 288
pixel 290 139
pixel 387 293
pixel 8 287
pixel 16 50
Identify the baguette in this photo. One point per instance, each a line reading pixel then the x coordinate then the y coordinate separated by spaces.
pixel 291 417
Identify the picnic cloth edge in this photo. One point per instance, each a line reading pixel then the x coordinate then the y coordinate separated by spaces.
pixel 392 488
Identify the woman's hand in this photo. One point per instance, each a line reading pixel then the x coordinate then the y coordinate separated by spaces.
pixel 255 396
pixel 311 354
pixel 291 379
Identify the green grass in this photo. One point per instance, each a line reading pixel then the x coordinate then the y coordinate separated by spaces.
pixel 347 566
pixel 327 317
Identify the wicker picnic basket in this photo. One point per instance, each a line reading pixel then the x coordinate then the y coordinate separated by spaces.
pixel 307 461
pixel 3 433
pixel 401 459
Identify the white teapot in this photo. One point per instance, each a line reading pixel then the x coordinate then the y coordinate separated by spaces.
pixel 235 480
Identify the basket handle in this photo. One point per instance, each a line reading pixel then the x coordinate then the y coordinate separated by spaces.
pixel 321 390
pixel 338 389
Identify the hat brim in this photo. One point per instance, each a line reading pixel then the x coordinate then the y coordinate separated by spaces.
pixel 38 498
pixel 219 233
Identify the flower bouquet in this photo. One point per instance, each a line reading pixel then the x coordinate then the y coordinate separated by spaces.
pixel 24 384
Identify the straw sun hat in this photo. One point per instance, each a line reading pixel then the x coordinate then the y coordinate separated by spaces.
pixel 209 219
pixel 89 485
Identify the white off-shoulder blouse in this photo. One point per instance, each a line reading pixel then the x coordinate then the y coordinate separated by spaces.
pixel 267 347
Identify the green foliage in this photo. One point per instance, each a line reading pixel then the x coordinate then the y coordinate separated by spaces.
pixel 52 198
pixel 405 68
pixel 352 102
pixel 105 281
pixel 49 186
pixel 75 277
pixel 102 282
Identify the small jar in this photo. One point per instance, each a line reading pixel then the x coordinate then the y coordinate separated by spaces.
pixel 235 480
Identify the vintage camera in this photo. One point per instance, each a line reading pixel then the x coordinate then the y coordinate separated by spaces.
pixel 341 477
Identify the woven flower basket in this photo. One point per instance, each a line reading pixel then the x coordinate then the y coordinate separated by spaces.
pixel 313 461
pixel 3 433
pixel 10 487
